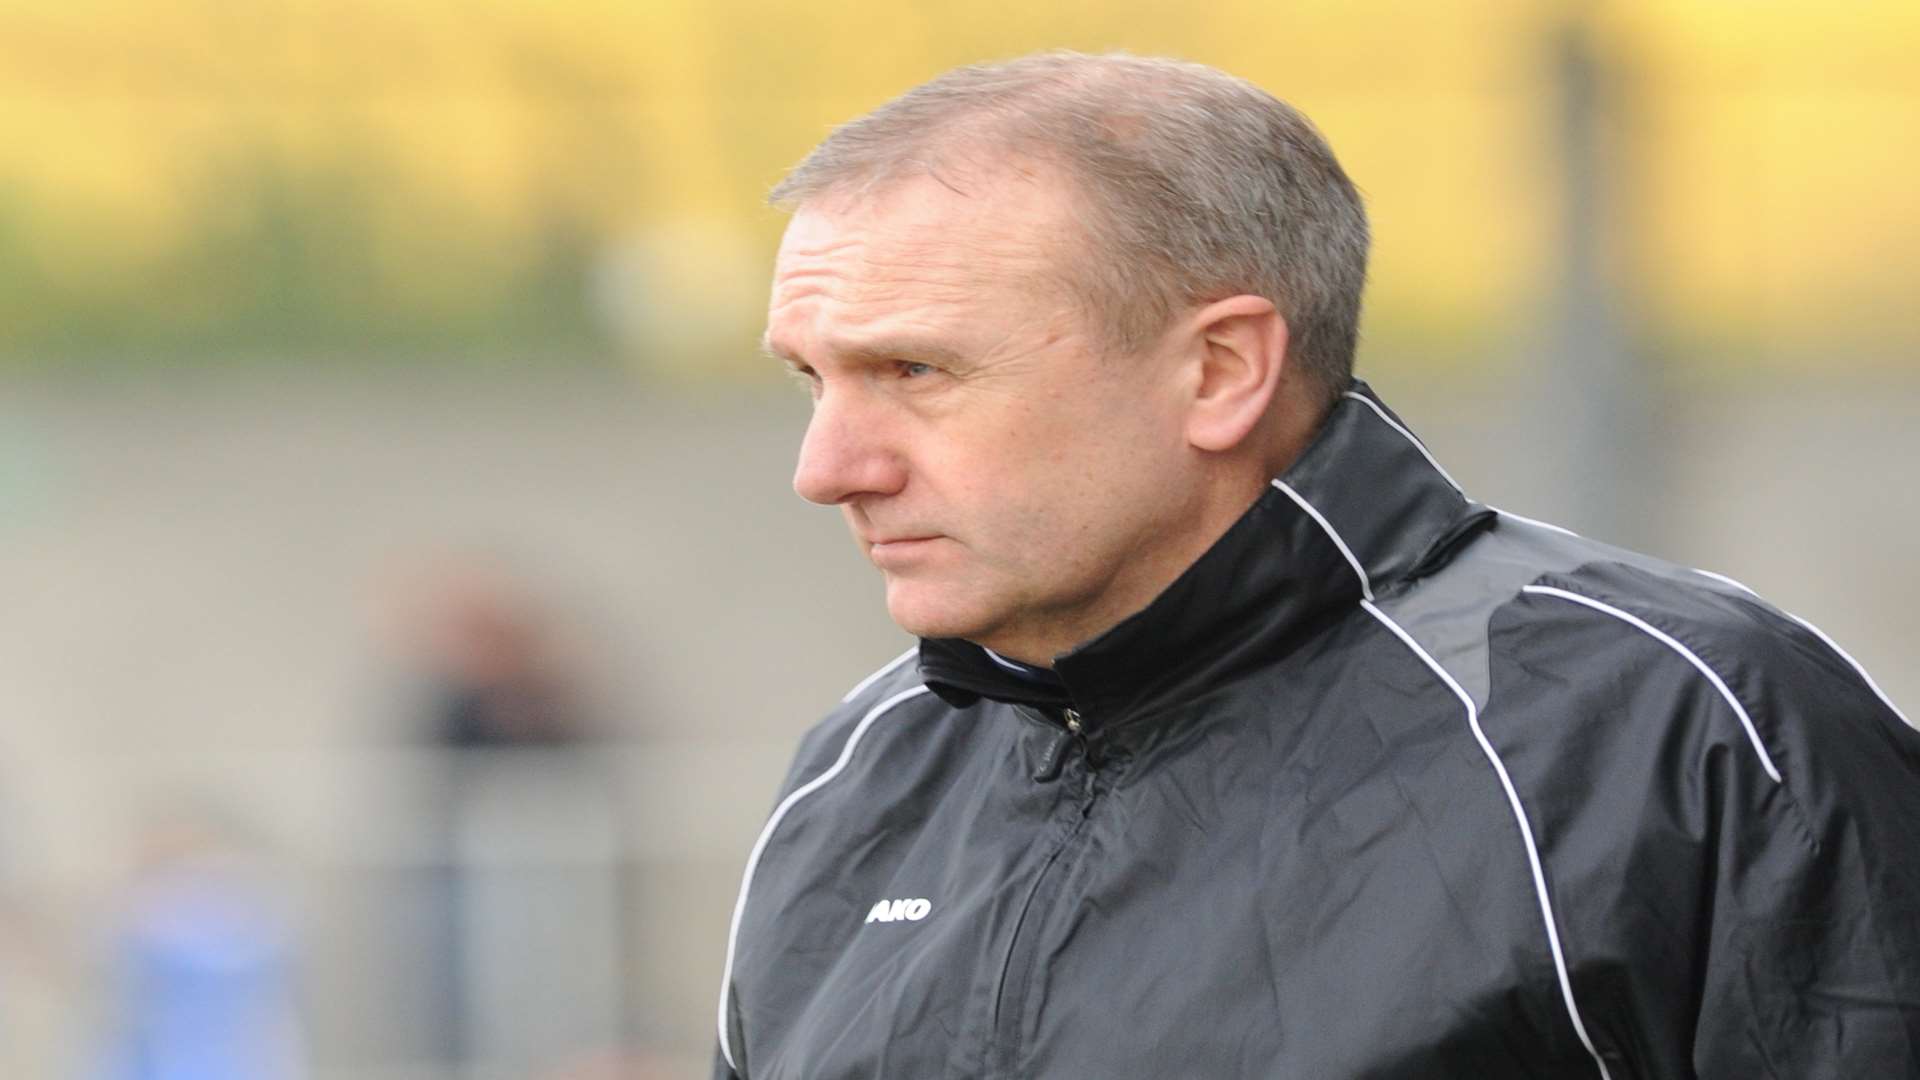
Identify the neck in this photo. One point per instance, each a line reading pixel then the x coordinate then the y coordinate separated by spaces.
pixel 1231 484
pixel 1291 426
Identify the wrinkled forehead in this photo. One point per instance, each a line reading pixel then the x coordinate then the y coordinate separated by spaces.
pixel 1001 227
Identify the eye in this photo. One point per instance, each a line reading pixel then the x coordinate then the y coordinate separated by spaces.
pixel 913 369
pixel 805 376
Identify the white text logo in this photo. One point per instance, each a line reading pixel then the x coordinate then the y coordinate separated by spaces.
pixel 899 911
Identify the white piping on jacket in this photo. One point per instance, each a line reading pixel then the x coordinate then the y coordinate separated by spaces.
pixel 1858 668
pixel 1366 587
pixel 1408 435
pixel 1831 644
pixel 1437 467
pixel 1015 666
pixel 1519 816
pixel 1635 621
pixel 1549 526
pixel 878 675
pixel 766 834
pixel 1499 768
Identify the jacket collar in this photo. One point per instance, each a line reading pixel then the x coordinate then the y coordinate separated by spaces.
pixel 1364 510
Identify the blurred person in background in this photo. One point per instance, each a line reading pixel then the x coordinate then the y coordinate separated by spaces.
pixel 492 671
pixel 202 962
pixel 1239 742
pixel 529 888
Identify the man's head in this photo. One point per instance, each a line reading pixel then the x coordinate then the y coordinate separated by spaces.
pixel 1191 185
pixel 1062 317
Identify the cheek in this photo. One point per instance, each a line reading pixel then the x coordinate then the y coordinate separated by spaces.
pixel 1015 508
pixel 989 463
pixel 1057 480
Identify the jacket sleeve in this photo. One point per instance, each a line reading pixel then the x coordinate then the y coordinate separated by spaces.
pixel 1813 956
pixel 721 1070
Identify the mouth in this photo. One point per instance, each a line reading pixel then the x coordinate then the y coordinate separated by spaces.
pixel 894 551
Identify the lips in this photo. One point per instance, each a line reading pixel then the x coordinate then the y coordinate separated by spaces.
pixel 897 552
pixel 886 540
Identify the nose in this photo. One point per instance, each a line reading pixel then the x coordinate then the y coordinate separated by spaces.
pixel 847 452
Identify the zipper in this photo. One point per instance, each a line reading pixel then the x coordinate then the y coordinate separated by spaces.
pixel 1055 757
pixel 1010 994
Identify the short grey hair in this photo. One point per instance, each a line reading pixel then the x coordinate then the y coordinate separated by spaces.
pixel 1201 186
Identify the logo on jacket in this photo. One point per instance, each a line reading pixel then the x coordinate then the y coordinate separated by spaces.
pixel 899 911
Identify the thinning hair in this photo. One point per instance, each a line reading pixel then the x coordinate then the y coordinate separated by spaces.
pixel 1198 186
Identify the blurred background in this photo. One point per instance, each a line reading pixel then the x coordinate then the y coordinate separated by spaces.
pixel 404 615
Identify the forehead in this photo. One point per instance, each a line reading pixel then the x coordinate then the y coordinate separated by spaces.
pixel 1009 208
pixel 923 252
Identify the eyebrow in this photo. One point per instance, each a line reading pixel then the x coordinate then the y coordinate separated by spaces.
pixel 886 348
pixel 773 352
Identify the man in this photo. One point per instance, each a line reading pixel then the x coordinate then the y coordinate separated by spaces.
pixel 1240 743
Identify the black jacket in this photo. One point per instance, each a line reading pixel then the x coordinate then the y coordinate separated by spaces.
pixel 1388 784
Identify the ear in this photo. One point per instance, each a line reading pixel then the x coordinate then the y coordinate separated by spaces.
pixel 1240 348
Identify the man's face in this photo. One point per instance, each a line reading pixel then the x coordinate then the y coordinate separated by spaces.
pixel 1014 486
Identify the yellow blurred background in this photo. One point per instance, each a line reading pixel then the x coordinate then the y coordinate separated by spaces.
pixel 407 619
pixel 199 179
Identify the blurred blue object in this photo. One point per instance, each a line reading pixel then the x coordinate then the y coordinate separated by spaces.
pixel 204 966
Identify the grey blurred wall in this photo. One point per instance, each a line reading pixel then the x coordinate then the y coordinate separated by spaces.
pixel 195 575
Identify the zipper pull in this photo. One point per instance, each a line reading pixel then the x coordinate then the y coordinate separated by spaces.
pixel 1053 758
pixel 1077 732
pixel 1056 753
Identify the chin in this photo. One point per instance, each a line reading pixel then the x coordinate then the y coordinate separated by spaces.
pixel 926 613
